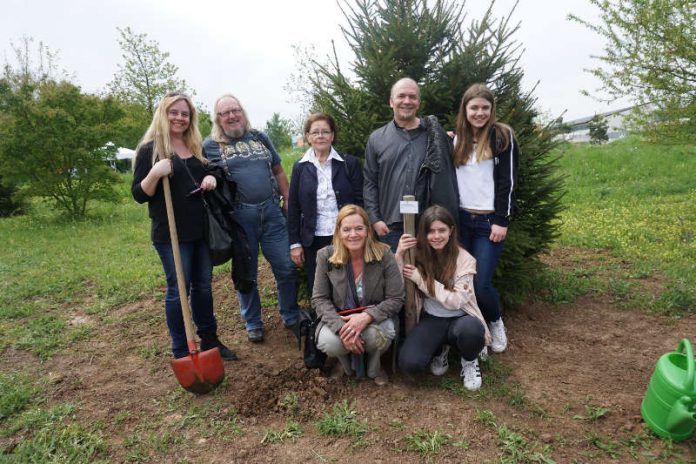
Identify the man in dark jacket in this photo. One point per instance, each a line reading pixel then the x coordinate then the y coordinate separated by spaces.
pixel 407 156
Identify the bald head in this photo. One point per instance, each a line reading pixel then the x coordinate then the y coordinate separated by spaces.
pixel 404 102
pixel 404 82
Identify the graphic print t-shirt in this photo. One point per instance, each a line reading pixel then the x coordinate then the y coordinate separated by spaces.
pixel 249 162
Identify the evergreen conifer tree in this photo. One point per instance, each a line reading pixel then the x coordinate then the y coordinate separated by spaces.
pixel 426 40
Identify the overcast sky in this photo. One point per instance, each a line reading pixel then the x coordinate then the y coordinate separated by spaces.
pixel 244 47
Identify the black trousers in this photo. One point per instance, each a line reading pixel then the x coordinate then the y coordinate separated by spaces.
pixel 466 333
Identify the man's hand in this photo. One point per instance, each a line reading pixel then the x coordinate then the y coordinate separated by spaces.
pixel 380 228
pixel 297 256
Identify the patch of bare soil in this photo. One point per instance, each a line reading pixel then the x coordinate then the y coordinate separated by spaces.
pixel 560 359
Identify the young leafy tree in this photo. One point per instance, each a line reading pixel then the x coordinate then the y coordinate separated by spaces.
pixel 32 63
pixel 598 129
pixel 143 78
pixel 146 73
pixel 54 139
pixel 279 130
pixel 426 40
pixel 649 56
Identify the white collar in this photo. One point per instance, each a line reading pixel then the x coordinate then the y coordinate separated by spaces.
pixel 311 157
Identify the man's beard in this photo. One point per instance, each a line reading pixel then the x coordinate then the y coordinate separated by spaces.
pixel 234 133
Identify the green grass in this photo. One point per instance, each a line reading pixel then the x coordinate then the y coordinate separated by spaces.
pixel 291 431
pixel 639 202
pixel 16 390
pixel 288 158
pixel 427 443
pixel 343 422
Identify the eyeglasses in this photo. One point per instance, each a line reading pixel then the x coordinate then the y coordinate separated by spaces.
pixel 234 111
pixel 176 114
pixel 320 133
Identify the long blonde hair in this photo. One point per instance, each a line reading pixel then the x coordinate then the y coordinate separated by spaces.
pixel 465 132
pixel 374 249
pixel 158 132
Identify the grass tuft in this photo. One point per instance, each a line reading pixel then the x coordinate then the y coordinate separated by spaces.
pixel 427 443
pixel 343 422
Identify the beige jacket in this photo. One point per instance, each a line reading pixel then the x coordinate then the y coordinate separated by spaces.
pixel 462 297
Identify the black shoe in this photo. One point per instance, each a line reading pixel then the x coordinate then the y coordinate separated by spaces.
pixel 210 343
pixel 226 353
pixel 255 335
pixel 295 329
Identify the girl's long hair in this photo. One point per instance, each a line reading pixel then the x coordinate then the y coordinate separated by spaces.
pixel 158 132
pixel 374 249
pixel 432 264
pixel 465 132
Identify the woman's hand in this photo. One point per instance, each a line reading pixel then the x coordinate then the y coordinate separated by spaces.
pixel 161 168
pixel 498 233
pixel 208 183
pixel 411 273
pixel 297 256
pixel 351 330
pixel 405 242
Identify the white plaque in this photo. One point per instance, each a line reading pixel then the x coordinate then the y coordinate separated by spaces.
pixel 408 207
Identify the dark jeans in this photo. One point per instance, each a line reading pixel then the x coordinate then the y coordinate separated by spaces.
pixel 198 274
pixel 474 230
pixel 310 258
pixel 466 333
pixel 265 225
pixel 396 230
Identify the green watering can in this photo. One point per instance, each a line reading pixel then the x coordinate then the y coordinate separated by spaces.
pixel 669 406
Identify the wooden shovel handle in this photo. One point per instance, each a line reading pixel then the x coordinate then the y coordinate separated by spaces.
pixel 181 283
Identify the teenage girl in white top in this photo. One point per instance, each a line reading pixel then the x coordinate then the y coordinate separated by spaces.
pixel 485 157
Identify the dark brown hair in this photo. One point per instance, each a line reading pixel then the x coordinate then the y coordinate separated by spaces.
pixel 314 117
pixel 436 265
pixel 465 133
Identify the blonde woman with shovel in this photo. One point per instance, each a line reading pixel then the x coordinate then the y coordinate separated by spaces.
pixel 170 153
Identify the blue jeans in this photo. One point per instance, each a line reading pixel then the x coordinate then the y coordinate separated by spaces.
pixel 265 225
pixel 198 274
pixel 396 230
pixel 474 230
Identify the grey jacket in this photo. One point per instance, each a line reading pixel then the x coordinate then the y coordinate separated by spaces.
pixel 382 287
pixel 389 166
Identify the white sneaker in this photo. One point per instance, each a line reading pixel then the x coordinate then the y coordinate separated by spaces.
pixel 471 372
pixel 499 342
pixel 483 354
pixel 439 364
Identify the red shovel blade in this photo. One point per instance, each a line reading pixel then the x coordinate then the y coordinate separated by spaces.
pixel 199 372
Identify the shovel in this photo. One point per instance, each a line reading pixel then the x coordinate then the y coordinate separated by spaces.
pixel 201 371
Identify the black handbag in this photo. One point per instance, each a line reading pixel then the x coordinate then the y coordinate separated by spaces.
pixel 218 231
pixel 226 237
pixel 314 358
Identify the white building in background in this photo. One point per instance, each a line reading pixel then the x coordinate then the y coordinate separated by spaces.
pixel 616 120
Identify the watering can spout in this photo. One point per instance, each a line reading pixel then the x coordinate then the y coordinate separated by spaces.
pixel 681 417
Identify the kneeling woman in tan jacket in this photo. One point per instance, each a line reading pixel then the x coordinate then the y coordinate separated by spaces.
pixel 357 271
